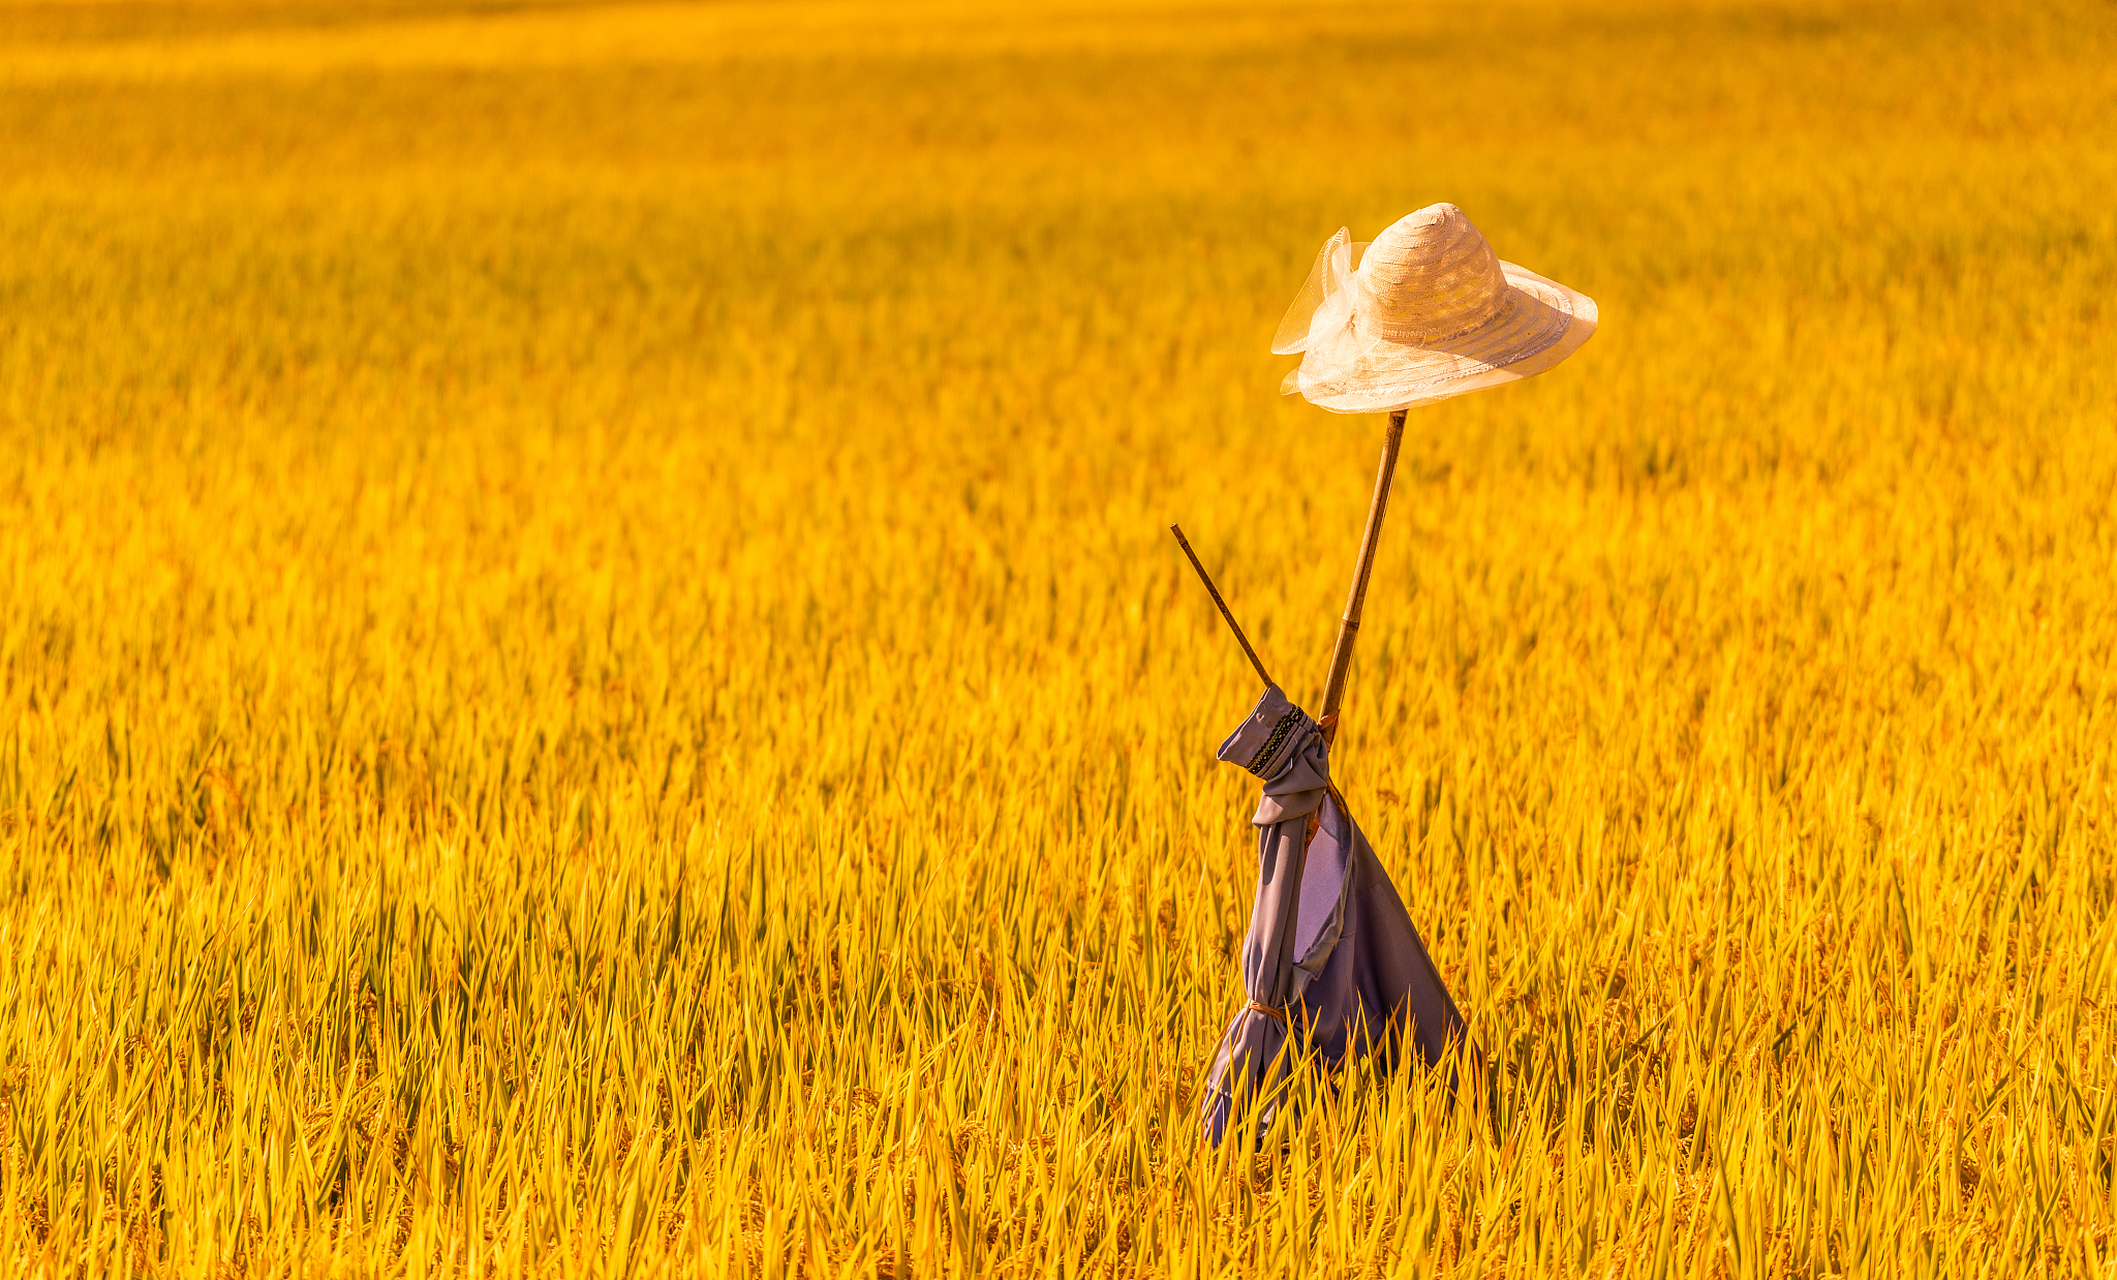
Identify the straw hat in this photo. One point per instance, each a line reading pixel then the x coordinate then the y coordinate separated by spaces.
pixel 1423 312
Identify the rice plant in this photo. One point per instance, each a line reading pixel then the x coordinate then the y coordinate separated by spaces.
pixel 592 681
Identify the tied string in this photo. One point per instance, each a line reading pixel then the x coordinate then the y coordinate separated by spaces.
pixel 1268 1011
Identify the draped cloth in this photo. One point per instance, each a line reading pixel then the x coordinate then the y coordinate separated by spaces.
pixel 1330 947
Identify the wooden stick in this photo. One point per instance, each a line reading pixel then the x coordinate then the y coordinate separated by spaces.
pixel 1233 625
pixel 1341 658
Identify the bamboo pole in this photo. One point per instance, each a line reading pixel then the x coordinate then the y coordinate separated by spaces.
pixel 1341 658
pixel 1225 612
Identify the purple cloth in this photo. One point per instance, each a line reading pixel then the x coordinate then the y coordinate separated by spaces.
pixel 1330 944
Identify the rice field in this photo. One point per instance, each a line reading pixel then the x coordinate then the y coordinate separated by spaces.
pixel 593 682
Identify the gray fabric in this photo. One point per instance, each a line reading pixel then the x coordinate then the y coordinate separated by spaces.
pixel 1329 943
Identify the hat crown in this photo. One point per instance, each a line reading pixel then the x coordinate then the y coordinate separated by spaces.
pixel 1431 275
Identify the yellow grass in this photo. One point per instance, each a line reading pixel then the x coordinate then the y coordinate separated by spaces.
pixel 592 681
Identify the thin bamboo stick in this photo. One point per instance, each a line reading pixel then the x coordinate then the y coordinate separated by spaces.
pixel 1225 612
pixel 1341 658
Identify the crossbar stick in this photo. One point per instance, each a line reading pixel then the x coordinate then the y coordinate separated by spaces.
pixel 1214 591
pixel 1341 658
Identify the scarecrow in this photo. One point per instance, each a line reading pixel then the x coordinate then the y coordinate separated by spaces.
pixel 1332 964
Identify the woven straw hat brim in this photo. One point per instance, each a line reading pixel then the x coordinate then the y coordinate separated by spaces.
pixel 1538 324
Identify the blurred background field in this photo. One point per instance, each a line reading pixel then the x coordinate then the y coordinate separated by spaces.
pixel 592 681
